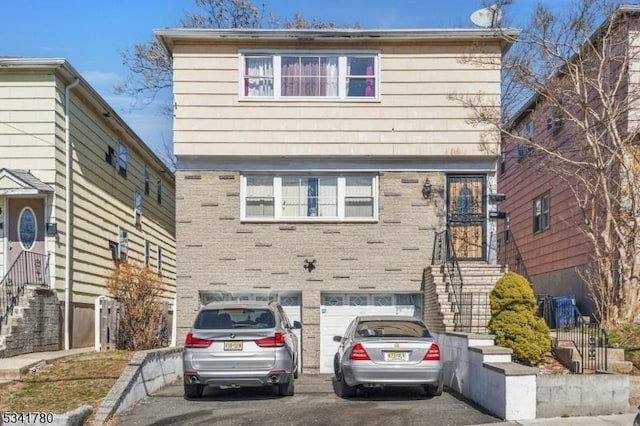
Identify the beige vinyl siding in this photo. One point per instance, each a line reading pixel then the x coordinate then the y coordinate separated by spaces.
pixel 27 130
pixel 415 115
pixel 103 200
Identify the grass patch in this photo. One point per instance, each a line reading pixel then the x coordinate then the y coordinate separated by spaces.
pixel 66 383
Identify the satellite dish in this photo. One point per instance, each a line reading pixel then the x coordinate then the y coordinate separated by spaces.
pixel 488 17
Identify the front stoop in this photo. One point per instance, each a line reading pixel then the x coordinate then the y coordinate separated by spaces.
pixel 478 278
pixel 34 325
pixel 568 355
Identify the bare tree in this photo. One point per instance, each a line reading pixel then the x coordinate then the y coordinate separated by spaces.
pixel 574 75
pixel 150 66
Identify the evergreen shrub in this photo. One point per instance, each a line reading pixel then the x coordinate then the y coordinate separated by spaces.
pixel 514 319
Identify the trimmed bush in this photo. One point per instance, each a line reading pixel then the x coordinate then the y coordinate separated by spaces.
pixel 514 319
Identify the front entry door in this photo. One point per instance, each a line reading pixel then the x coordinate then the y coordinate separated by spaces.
pixel 466 213
pixel 26 227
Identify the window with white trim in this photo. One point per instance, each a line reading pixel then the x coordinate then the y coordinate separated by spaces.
pixel 122 159
pixel 315 197
pixel 310 75
pixel 137 209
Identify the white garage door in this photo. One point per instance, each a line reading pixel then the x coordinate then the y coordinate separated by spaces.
pixel 338 309
pixel 292 307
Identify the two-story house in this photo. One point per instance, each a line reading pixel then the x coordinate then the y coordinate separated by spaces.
pixel 317 167
pixel 79 191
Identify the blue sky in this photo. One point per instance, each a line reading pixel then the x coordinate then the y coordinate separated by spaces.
pixel 90 34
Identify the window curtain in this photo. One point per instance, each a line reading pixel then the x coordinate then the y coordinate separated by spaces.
pixel 328 197
pixel 309 76
pixel 258 76
pixel 292 203
pixel 358 197
pixel 259 196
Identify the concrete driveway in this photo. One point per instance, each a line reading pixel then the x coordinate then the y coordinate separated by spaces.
pixel 315 403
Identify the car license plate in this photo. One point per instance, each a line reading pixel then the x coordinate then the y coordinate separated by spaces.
pixel 232 345
pixel 396 356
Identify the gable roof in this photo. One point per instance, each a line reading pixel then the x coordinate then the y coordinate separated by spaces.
pixel 21 182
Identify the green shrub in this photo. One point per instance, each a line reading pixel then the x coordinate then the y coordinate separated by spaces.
pixel 514 320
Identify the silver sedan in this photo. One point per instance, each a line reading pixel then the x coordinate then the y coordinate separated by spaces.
pixel 379 351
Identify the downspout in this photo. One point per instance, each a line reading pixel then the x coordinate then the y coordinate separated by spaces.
pixel 67 214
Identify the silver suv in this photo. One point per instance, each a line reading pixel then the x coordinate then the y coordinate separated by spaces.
pixel 234 345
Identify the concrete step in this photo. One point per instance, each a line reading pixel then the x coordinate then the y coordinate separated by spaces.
pixel 569 356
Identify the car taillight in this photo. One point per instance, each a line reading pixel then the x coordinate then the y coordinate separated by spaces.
pixel 274 341
pixel 433 354
pixel 196 342
pixel 359 353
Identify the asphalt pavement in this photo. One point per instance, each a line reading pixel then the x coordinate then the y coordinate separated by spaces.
pixel 315 402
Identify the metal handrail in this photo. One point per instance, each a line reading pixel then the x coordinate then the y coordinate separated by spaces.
pixel 444 254
pixel 590 339
pixel 509 255
pixel 28 268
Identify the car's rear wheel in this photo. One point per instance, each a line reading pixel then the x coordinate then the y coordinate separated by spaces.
pixel 344 390
pixel 289 388
pixel 192 391
pixel 434 390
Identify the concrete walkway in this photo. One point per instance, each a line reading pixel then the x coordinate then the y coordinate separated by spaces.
pixel 17 367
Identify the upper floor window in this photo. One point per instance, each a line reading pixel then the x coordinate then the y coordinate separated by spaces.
pixel 541 213
pixel 122 159
pixel 310 75
pixel 160 260
pixel 159 194
pixel 147 179
pixel 123 244
pixel 310 197
pixel 147 253
pixel 522 147
pixel 137 209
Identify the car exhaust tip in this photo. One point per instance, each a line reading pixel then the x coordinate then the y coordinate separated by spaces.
pixel 194 379
pixel 273 378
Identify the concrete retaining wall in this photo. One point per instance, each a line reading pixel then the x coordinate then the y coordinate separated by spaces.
pixel 484 373
pixel 147 372
pixel 582 395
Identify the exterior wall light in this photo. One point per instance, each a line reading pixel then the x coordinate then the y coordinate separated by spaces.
pixel 426 189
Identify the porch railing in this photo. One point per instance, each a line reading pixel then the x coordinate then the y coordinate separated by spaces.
pixel 508 254
pixel 588 338
pixel 28 269
pixel 445 256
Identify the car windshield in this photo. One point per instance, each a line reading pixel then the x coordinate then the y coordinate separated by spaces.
pixel 390 328
pixel 220 319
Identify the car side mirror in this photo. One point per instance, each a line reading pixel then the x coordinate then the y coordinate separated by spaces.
pixel 297 325
pixel 337 338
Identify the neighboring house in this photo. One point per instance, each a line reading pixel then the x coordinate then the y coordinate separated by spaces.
pixel 319 167
pixel 121 200
pixel 544 220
